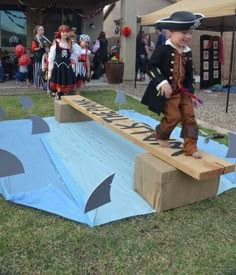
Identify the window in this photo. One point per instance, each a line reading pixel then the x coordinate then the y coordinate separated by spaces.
pixel 12 23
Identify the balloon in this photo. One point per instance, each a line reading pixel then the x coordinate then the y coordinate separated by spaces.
pixel 126 31
pixel 24 60
pixel 19 50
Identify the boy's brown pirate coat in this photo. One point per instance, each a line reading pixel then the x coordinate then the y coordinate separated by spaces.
pixel 162 66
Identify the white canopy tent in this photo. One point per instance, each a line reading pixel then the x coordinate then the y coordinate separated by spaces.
pixel 218 14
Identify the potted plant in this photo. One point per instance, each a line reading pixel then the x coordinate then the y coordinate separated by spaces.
pixel 114 70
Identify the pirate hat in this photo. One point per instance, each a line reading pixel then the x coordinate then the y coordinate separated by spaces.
pixel 180 20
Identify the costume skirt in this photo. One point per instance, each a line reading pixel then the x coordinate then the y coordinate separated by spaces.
pixel 81 73
pixel 63 78
pixel 38 76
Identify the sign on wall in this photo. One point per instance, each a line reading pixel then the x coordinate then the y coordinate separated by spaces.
pixel 210 67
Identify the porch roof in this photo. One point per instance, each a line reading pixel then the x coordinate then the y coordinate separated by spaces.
pixel 78 4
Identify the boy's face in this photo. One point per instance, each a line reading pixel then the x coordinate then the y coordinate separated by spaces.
pixel 181 38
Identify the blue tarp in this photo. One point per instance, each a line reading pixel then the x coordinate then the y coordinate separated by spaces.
pixel 63 167
pixel 221 88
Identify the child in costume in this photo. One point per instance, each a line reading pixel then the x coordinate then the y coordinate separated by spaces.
pixel 83 63
pixel 38 51
pixel 30 67
pixel 75 54
pixel 45 68
pixel 22 75
pixel 171 89
pixel 60 70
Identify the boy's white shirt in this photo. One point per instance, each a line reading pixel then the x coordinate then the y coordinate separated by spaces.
pixel 185 50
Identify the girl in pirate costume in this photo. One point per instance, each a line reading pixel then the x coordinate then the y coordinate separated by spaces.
pixel 76 52
pixel 83 64
pixel 38 50
pixel 45 69
pixel 171 89
pixel 60 70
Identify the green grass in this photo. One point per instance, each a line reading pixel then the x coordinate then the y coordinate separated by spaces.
pixel 195 239
pixel 42 106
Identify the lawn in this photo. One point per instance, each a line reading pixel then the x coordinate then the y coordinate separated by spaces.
pixel 195 239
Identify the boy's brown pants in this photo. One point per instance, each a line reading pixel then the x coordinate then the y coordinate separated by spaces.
pixel 179 108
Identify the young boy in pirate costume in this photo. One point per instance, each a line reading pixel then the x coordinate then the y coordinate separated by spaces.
pixel 171 89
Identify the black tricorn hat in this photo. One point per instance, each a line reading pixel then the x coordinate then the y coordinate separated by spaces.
pixel 180 20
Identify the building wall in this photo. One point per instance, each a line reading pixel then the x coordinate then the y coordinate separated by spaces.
pixel 97 22
pixel 85 27
pixel 143 7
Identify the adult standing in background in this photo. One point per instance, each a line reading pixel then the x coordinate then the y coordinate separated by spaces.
pixel 38 50
pixel 161 38
pixel 101 55
pixel 141 56
pixel 149 46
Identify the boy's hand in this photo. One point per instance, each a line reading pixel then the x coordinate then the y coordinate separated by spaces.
pixel 166 90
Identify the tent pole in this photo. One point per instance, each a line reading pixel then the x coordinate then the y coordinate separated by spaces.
pixel 135 79
pixel 231 63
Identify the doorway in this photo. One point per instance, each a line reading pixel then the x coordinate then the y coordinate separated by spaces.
pixel 60 16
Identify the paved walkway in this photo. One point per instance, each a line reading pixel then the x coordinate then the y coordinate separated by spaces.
pixel 211 115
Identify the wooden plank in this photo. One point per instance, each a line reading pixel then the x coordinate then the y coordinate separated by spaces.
pixel 141 134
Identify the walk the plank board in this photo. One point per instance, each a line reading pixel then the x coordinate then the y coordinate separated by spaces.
pixel 142 135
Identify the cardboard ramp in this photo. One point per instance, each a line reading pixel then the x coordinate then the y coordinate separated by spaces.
pixel 141 134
